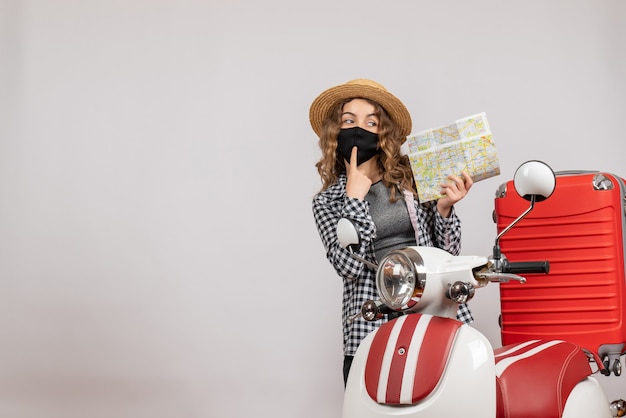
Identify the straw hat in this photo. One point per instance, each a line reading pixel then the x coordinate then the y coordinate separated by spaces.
pixel 359 88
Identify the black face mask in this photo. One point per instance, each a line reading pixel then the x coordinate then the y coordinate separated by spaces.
pixel 365 141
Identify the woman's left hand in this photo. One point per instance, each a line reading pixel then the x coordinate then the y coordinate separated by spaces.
pixel 452 192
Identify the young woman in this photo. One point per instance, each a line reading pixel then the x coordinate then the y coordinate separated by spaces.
pixel 367 179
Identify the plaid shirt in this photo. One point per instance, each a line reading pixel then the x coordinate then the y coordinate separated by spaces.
pixel 359 283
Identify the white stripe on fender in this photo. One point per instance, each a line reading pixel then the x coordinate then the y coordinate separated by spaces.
pixel 516 348
pixel 385 367
pixel 503 364
pixel 408 377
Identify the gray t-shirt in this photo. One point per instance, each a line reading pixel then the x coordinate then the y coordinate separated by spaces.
pixel 393 225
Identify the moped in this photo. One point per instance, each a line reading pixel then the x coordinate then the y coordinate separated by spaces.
pixel 425 363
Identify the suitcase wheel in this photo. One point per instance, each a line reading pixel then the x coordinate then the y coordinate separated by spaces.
pixel 616 367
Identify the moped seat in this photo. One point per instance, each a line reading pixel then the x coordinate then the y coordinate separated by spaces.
pixel 535 378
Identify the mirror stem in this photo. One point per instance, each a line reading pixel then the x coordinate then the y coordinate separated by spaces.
pixel 496 247
pixel 364 261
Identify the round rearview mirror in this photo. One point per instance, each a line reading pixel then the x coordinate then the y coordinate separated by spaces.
pixel 534 179
pixel 347 233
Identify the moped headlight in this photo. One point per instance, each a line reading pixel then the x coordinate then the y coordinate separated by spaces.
pixel 401 279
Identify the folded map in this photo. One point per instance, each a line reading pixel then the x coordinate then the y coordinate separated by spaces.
pixel 465 145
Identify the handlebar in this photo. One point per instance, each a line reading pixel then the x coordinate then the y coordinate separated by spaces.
pixel 526 267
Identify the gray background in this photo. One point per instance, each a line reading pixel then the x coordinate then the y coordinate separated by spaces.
pixel 158 255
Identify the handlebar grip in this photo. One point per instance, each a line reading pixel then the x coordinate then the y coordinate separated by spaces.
pixel 525 267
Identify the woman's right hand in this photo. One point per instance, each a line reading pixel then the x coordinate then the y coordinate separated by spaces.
pixel 358 183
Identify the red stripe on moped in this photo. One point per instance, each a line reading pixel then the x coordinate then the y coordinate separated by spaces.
pixel 407 358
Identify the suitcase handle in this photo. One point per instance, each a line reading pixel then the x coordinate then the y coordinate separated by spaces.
pixel 574 172
pixel 525 267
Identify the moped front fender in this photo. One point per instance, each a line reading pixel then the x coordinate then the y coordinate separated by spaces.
pixel 466 386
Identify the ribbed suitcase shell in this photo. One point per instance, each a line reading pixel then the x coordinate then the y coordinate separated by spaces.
pixel 580 230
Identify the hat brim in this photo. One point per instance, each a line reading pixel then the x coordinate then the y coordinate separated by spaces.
pixel 324 103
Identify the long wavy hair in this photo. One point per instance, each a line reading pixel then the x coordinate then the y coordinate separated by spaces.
pixel 394 166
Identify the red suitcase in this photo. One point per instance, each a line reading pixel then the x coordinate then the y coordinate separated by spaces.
pixel 580 231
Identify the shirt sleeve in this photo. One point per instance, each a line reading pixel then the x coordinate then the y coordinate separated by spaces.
pixel 327 212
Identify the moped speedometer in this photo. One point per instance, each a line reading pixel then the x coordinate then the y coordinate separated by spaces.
pixel 400 279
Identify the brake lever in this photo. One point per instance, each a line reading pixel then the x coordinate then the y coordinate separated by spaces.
pixel 501 277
